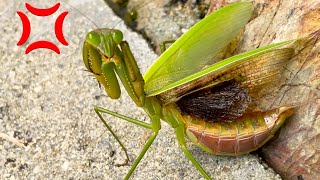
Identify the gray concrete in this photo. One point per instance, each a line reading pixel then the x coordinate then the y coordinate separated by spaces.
pixel 46 102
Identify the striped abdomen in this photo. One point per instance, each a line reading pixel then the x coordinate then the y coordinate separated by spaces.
pixel 243 135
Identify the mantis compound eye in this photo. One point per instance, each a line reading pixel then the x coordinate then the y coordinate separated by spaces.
pixel 93 38
pixel 117 36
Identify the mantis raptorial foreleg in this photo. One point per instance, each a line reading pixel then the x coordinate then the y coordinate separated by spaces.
pixel 163 45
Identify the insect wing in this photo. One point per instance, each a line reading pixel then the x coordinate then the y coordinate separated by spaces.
pixel 194 49
pixel 220 67
pixel 263 70
pixel 226 96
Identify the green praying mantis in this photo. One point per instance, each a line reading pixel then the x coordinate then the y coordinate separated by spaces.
pixel 208 103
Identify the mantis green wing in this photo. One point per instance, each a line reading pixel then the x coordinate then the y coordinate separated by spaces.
pixel 194 49
pixel 256 67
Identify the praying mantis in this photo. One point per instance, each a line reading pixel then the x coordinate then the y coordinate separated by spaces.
pixel 208 103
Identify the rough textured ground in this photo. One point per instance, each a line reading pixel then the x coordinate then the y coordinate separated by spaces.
pixel 46 103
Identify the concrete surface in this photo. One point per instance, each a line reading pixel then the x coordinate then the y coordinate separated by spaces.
pixel 48 129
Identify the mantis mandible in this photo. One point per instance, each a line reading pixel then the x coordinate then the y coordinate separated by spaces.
pixel 206 102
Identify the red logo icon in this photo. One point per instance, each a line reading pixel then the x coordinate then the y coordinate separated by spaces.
pixel 42 43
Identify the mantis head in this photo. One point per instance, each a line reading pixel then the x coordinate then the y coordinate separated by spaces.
pixel 105 40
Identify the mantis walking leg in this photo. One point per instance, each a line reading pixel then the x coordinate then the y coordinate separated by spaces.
pixel 100 110
pixel 142 153
pixel 173 117
pixel 180 133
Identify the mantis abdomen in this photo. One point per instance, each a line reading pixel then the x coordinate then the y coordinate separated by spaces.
pixel 243 135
